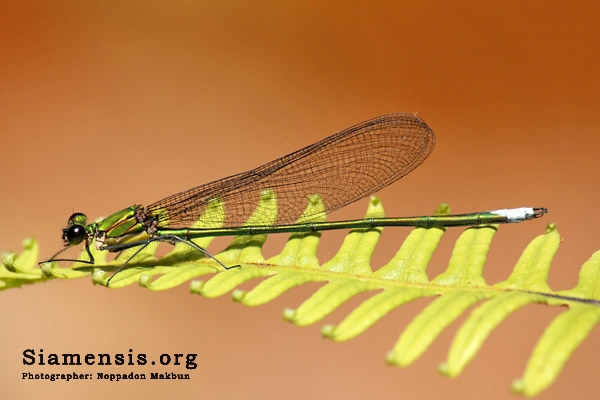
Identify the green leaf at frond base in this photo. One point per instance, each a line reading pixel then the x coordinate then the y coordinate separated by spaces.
pixel 460 289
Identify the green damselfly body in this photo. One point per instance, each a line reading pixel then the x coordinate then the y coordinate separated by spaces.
pixel 340 169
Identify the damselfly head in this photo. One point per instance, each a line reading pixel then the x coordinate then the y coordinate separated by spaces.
pixel 77 219
pixel 75 232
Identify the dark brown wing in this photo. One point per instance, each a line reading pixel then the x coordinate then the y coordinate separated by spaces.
pixel 342 168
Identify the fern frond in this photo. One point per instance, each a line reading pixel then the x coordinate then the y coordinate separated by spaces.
pixel 460 288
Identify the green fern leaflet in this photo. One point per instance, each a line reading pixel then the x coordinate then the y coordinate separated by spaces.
pixel 403 279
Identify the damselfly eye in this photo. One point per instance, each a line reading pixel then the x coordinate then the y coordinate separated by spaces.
pixel 75 234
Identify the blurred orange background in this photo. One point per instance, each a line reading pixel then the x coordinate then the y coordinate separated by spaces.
pixel 106 105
